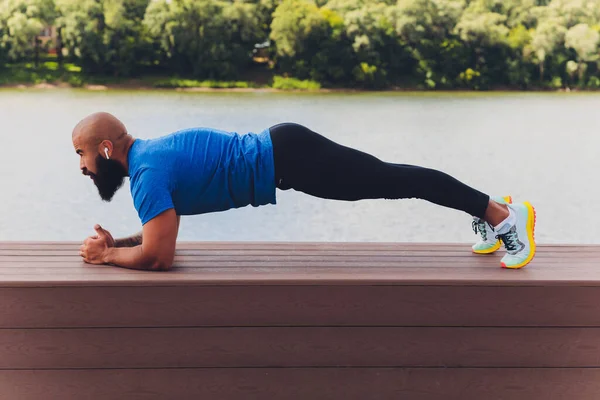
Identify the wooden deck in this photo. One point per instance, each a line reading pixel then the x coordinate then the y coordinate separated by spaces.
pixel 301 321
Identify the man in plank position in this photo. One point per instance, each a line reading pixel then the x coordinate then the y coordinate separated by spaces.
pixel 203 170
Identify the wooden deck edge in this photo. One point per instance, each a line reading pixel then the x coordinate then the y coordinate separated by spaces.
pixel 275 281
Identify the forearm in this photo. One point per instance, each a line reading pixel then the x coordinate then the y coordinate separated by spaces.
pixel 133 258
pixel 136 240
pixel 131 241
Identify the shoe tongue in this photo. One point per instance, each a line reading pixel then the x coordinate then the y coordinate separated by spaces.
pixel 503 228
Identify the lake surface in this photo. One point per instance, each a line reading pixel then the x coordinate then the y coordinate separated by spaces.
pixel 537 147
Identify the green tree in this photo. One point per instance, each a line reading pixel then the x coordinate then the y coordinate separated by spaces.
pixel 243 27
pixel 546 38
pixel 381 57
pixel 486 33
pixel 264 11
pixel 427 27
pixel 204 38
pixel 482 27
pixel 366 43
pixel 518 12
pixel 574 12
pixel 124 36
pixel 312 43
pixel 82 25
pixel 294 21
pixel 23 23
pixel 104 36
pixel 3 47
pixel 584 40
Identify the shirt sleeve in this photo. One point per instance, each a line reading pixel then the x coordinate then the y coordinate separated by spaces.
pixel 151 194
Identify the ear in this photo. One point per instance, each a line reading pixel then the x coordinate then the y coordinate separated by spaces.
pixel 105 144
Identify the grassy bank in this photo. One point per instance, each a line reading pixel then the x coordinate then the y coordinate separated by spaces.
pixel 71 75
pixel 46 72
pixel 49 74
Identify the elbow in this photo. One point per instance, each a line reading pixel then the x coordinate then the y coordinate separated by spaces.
pixel 157 259
pixel 159 265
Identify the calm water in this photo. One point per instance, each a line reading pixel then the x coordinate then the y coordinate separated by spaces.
pixel 538 147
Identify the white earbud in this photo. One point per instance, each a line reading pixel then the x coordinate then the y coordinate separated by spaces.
pixel 106 152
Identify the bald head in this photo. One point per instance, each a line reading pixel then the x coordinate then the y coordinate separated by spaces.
pixel 100 126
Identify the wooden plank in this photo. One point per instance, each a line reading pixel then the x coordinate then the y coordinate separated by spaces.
pixel 65 307
pixel 57 264
pixel 439 261
pixel 407 258
pixel 307 246
pixel 302 384
pixel 298 347
pixel 357 246
pixel 272 262
pixel 400 250
pixel 28 267
pixel 533 275
pixel 489 263
pixel 456 251
pixel 451 259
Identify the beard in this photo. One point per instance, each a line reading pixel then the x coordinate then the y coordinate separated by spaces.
pixel 109 177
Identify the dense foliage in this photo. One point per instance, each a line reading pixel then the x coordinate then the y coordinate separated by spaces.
pixel 351 43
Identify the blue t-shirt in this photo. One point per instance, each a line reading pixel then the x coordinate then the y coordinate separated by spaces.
pixel 201 170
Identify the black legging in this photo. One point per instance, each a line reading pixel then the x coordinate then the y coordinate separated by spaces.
pixel 313 164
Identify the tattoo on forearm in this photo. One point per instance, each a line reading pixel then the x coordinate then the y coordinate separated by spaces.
pixel 131 241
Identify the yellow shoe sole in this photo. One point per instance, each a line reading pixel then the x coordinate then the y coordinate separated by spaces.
pixel 531 220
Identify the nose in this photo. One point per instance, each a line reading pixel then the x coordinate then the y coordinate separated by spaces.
pixel 82 164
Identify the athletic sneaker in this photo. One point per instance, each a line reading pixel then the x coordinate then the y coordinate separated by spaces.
pixel 519 239
pixel 488 243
